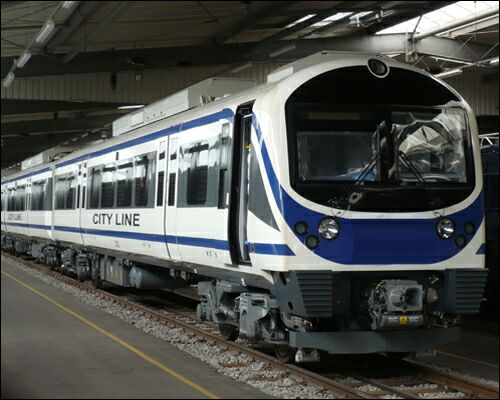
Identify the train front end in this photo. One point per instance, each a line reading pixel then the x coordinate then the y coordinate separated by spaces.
pixel 379 192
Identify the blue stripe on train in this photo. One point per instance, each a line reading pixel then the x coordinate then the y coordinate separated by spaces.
pixel 260 248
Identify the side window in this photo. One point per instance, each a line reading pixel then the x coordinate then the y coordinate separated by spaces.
pixel 144 180
pixel 197 174
pixel 20 198
pixel 124 184
pixel 65 192
pixel 172 168
pixel 258 203
pixel 47 203
pixel 225 147
pixel 10 200
pixel 37 196
pixel 161 175
pixel 60 188
pixel 71 192
pixel 94 186
pixel 108 186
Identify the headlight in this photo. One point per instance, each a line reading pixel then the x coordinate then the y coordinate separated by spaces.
pixel 328 228
pixel 445 228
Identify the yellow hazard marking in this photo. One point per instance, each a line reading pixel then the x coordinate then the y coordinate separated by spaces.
pixel 121 342
pixel 403 320
pixel 467 359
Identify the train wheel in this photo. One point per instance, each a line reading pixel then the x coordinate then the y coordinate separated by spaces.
pixel 229 332
pixel 285 353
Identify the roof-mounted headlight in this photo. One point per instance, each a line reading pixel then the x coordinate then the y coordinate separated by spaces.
pixel 328 228
pixel 378 67
pixel 445 228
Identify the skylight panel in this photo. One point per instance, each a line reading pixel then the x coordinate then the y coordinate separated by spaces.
pixel 300 20
pixel 331 18
pixel 441 17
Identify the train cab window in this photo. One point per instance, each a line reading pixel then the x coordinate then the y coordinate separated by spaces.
pixel 144 180
pixel 108 186
pixel 65 192
pixel 124 184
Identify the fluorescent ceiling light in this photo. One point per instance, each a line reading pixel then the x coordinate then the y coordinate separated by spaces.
pixel 300 20
pixel 448 74
pixel 283 50
pixel 241 68
pixel 130 107
pixel 45 32
pixel 21 61
pixel 8 80
pixel 494 61
pixel 68 4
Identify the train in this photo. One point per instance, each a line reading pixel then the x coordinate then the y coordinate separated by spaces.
pixel 336 208
pixel 489 154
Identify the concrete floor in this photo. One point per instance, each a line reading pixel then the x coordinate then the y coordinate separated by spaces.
pixel 48 353
pixel 476 354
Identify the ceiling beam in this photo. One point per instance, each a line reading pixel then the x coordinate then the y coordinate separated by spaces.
pixel 71 24
pixel 101 27
pixel 248 21
pixel 227 54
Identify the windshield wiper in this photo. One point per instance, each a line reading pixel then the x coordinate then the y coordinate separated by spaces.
pixel 434 200
pixel 343 202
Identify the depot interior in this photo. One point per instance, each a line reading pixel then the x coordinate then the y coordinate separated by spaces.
pixel 70 68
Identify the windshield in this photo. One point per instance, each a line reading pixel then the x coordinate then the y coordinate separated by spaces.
pixel 433 143
pixel 339 147
pixel 359 142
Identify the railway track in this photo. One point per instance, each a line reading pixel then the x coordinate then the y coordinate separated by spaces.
pixel 420 381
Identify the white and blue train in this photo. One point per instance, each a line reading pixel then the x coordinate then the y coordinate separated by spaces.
pixel 336 208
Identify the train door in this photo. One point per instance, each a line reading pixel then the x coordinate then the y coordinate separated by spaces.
pixel 170 220
pixel 81 189
pixel 161 195
pixel 239 186
pixel 28 207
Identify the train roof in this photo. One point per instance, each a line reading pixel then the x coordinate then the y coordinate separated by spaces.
pixel 187 109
